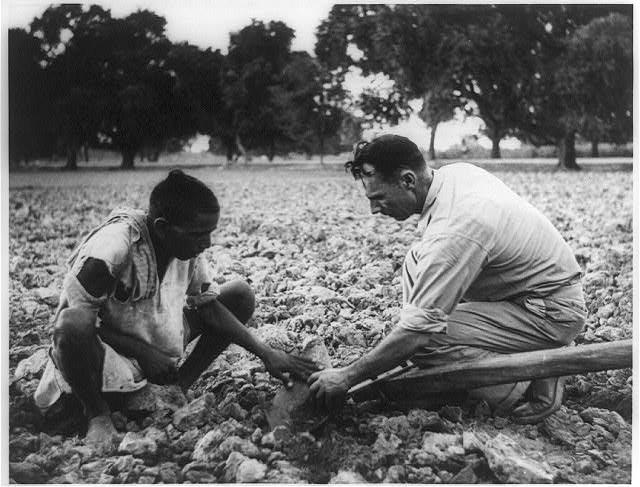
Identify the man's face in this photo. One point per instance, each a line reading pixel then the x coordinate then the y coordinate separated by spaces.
pixel 189 239
pixel 387 197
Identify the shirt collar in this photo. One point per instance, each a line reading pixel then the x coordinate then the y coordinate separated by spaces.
pixel 432 194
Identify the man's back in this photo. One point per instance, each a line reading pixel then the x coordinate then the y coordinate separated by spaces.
pixel 522 252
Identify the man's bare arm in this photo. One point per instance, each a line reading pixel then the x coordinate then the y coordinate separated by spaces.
pixel 330 386
pixel 395 348
pixel 223 322
pixel 158 367
pixel 95 278
pixel 220 321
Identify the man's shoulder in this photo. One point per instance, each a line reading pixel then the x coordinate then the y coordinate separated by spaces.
pixel 119 233
pixel 111 243
pixel 471 204
pixel 476 187
pixel 112 229
pixel 466 171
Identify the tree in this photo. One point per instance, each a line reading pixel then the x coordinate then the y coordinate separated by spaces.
pixel 562 100
pixel 199 80
pixel 97 65
pixel 29 107
pixel 310 102
pixel 148 105
pixel 131 118
pixel 78 119
pixel 402 42
pixel 501 59
pixel 437 105
pixel 258 54
pixel 596 78
pixel 67 40
pixel 491 58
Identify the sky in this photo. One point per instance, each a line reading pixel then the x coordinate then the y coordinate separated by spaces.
pixel 207 23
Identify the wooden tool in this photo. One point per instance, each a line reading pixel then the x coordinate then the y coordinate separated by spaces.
pixel 411 382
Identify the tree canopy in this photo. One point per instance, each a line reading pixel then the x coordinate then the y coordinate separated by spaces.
pixel 518 67
pixel 79 77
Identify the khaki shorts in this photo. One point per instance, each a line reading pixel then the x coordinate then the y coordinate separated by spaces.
pixel 119 374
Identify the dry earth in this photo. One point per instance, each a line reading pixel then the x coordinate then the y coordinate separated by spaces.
pixel 320 266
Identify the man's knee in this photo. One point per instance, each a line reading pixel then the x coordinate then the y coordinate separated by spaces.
pixel 566 333
pixel 74 327
pixel 238 297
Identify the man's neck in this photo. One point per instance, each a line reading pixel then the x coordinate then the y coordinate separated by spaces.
pixel 423 190
pixel 162 257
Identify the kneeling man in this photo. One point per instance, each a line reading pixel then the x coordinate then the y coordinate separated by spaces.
pixel 490 275
pixel 138 290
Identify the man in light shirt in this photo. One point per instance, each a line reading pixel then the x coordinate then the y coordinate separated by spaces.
pixel 490 275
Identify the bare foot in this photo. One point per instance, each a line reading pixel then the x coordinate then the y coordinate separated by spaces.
pixel 101 433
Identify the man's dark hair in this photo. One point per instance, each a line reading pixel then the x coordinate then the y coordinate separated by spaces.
pixel 387 154
pixel 180 197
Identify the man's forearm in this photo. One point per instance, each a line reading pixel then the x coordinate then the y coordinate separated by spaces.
pixel 223 322
pixel 126 345
pixel 396 347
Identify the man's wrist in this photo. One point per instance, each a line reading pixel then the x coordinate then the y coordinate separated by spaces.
pixel 351 374
pixel 264 352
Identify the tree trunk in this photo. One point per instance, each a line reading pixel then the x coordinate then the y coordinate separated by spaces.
pixel 271 153
pixel 72 157
pixel 594 148
pixel 154 154
pixel 229 145
pixel 567 152
pixel 212 144
pixel 128 156
pixel 495 145
pixel 241 149
pixel 230 154
pixel 321 136
pixel 432 141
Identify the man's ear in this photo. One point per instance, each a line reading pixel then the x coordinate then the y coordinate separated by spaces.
pixel 160 226
pixel 408 179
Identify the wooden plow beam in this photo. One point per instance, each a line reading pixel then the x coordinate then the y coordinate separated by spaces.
pixel 409 381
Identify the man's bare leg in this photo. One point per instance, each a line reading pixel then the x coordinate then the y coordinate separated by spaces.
pixel 237 297
pixel 80 358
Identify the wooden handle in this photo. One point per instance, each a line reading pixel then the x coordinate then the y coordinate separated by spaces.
pixel 501 370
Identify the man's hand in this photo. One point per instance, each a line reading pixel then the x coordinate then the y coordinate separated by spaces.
pixel 158 368
pixel 282 365
pixel 329 388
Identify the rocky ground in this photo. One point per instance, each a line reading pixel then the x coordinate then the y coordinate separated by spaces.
pixel 323 267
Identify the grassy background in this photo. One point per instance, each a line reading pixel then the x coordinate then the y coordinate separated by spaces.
pixel 524 156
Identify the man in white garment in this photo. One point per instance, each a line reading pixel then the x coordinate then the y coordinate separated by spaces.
pixel 490 275
pixel 138 290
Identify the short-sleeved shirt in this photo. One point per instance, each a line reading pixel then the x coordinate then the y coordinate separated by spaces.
pixel 139 306
pixel 480 242
pixel 157 319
